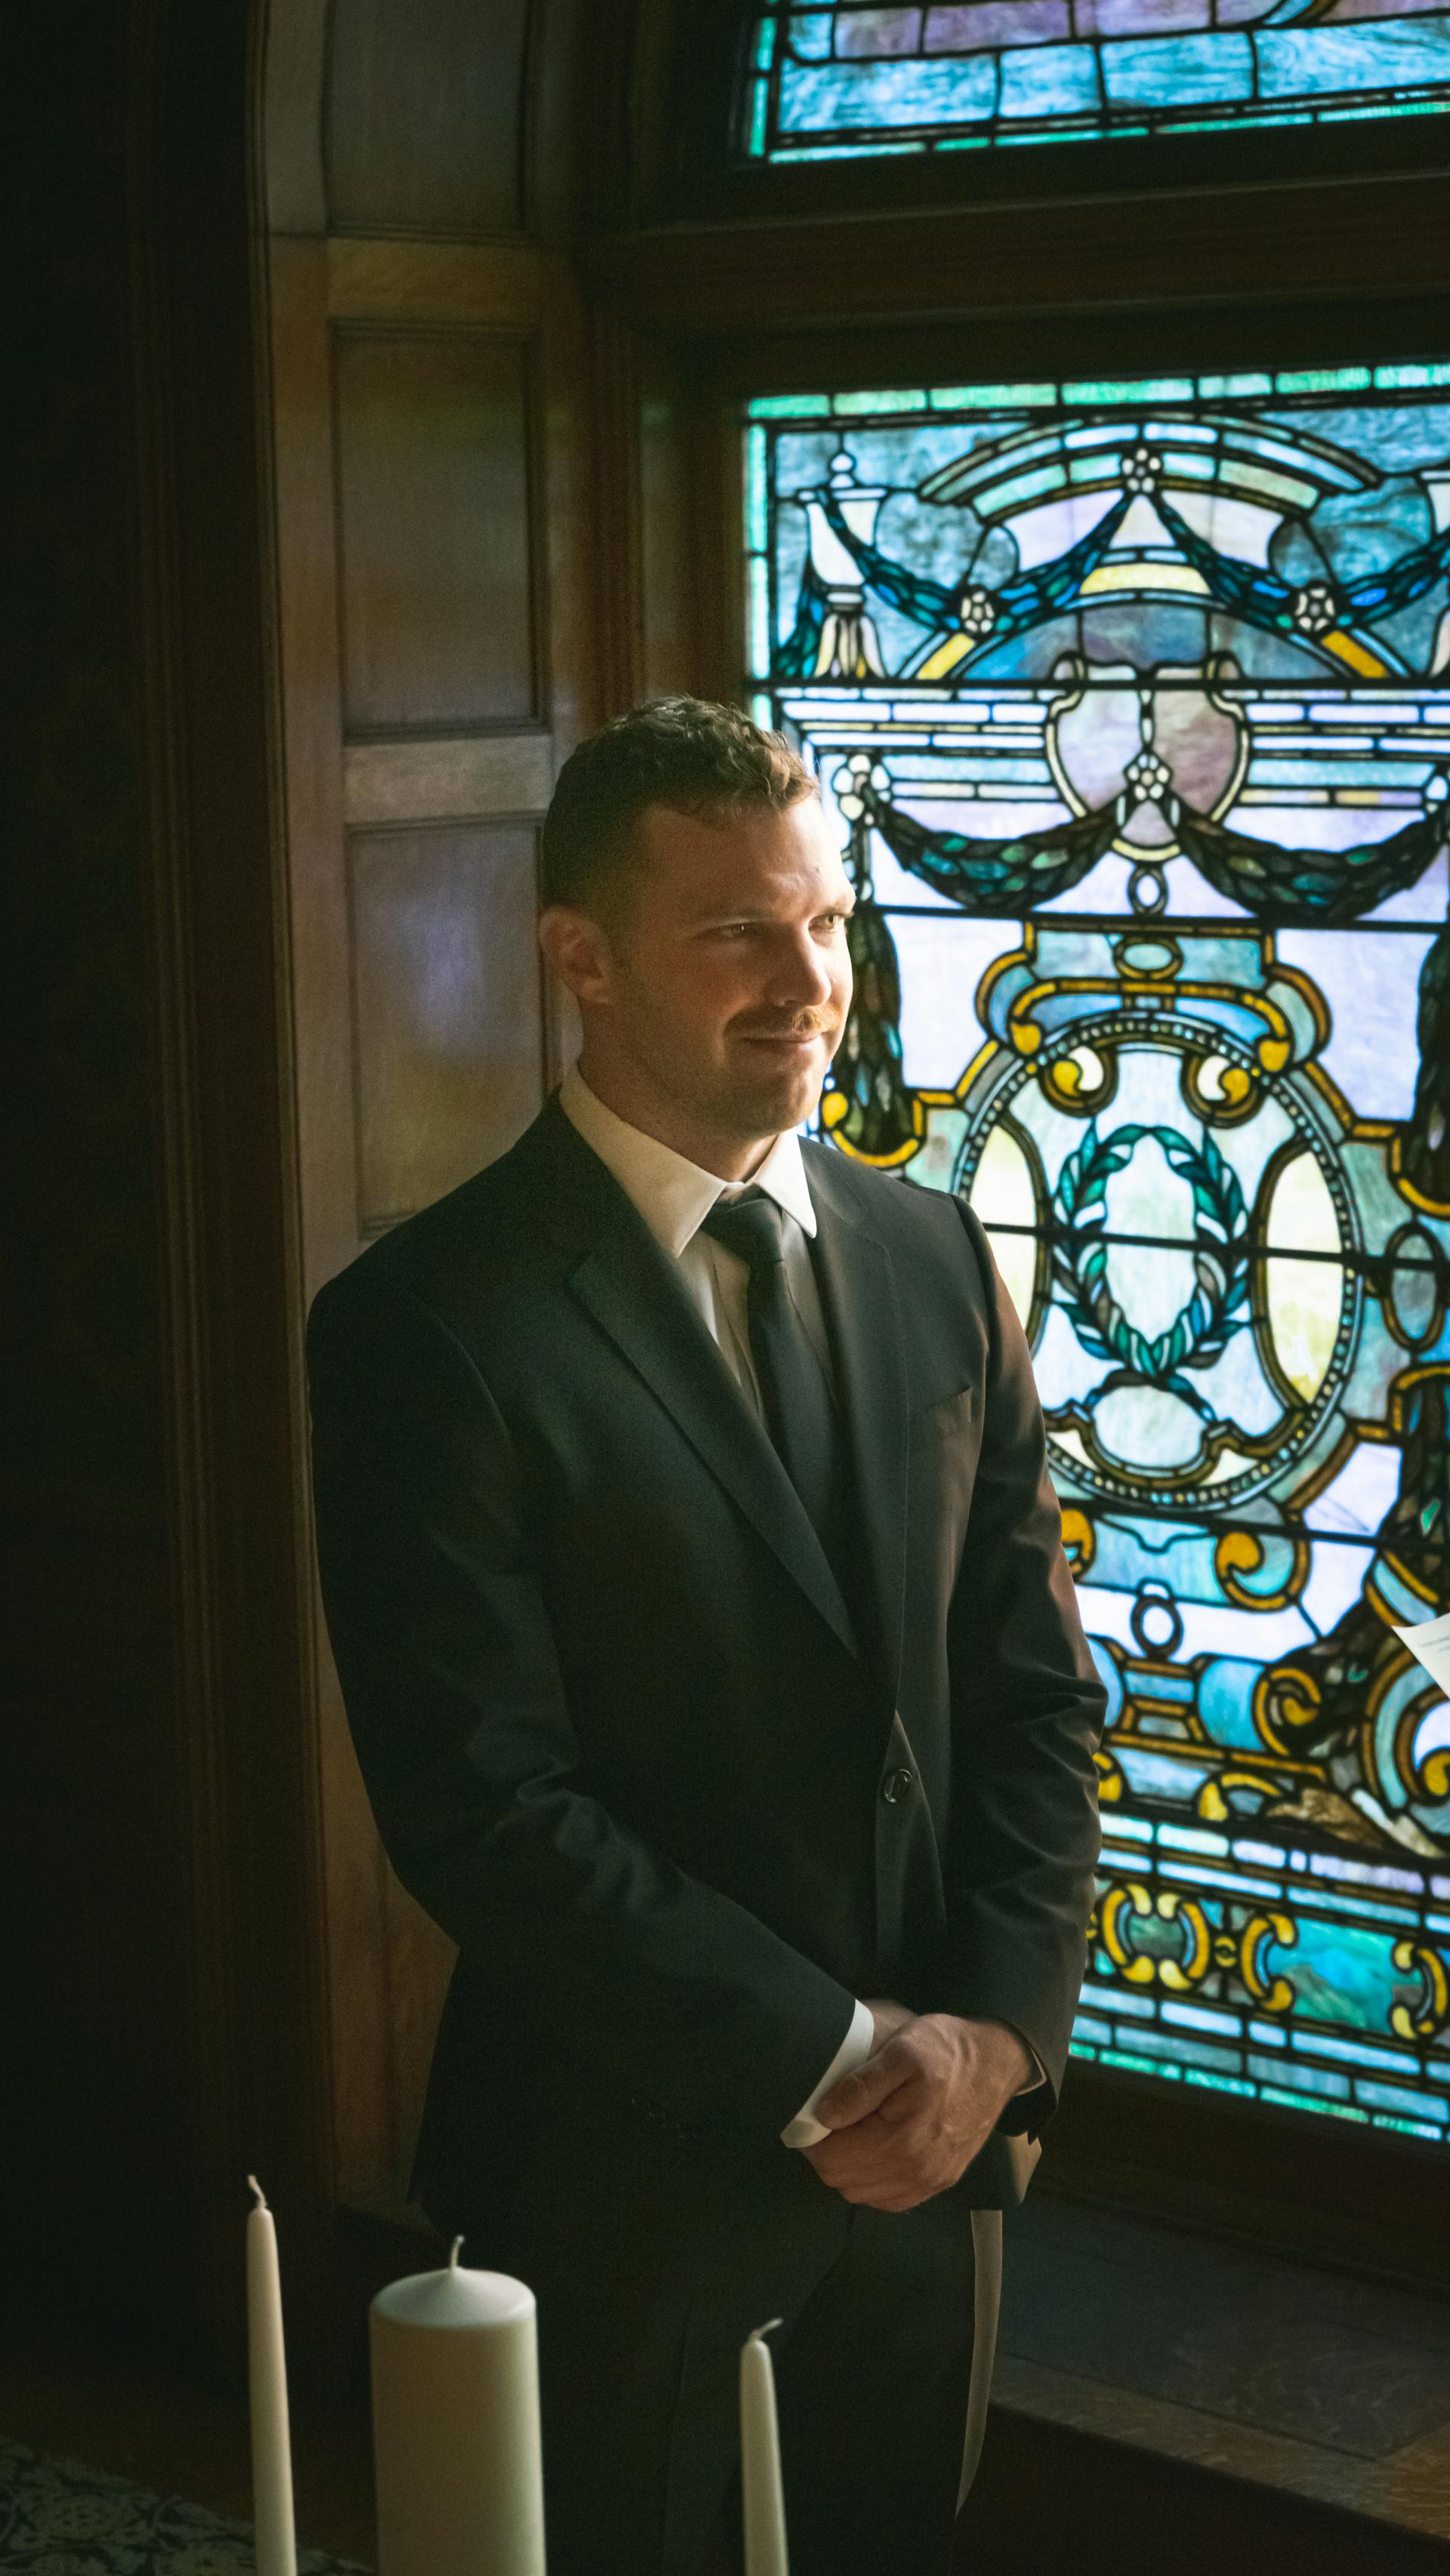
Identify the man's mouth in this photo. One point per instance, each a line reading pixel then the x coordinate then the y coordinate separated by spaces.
pixel 793 1038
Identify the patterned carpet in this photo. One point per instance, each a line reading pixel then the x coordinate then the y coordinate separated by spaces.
pixel 58 2519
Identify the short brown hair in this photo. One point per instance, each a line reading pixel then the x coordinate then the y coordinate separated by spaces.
pixel 683 753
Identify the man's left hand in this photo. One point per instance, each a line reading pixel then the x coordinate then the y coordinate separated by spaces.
pixel 907 2124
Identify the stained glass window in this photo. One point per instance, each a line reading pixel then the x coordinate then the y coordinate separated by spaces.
pixel 853 78
pixel 1131 706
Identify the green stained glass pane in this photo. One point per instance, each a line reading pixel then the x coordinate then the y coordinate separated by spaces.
pixel 852 80
pixel 756 523
pixel 758 612
pixel 1217 386
pixel 848 406
pixel 1130 702
pixel 1325 380
pixel 790 407
pixel 991 397
pixel 1157 389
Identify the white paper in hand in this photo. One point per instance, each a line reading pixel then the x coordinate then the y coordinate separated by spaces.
pixel 1429 1643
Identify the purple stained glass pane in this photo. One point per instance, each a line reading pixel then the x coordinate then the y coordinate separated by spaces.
pixel 1148 17
pixel 992 24
pixel 1346 10
pixel 878 31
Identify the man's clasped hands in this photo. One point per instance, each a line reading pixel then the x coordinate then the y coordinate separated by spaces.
pixel 908 2123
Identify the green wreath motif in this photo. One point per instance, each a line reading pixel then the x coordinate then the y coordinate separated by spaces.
pixel 1203 1328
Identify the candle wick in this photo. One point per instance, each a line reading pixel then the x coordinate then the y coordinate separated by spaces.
pixel 767 2329
pixel 453 2257
pixel 257 2188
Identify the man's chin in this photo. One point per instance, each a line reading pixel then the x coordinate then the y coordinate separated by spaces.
pixel 784 1098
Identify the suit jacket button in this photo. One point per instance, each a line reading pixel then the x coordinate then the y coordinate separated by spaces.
pixel 896 1786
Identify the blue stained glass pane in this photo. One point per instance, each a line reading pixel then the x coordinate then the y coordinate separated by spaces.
pixel 886 94
pixel 852 81
pixel 810 34
pixel 1050 80
pixel 1130 703
pixel 1174 70
pixel 1413 54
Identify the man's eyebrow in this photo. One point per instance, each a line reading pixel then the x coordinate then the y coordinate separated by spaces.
pixel 742 912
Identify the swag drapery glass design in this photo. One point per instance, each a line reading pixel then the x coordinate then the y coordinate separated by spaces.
pixel 1131 705
pixel 852 78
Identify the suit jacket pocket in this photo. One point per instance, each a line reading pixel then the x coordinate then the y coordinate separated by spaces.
pixel 949 1415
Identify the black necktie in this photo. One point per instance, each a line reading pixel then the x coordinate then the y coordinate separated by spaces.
pixel 799 1413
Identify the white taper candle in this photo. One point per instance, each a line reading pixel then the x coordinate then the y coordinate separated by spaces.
pixel 763 2494
pixel 267 2388
pixel 456 2426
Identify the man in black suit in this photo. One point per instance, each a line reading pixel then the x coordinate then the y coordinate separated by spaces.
pixel 696 1588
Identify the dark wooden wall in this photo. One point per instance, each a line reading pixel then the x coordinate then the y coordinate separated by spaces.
pixel 158 1815
pixel 301 619
pixel 433 460
pixel 90 1794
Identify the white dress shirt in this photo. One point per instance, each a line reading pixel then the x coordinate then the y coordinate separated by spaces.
pixel 674 1197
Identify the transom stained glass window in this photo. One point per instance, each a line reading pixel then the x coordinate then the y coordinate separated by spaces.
pixel 853 78
pixel 1131 706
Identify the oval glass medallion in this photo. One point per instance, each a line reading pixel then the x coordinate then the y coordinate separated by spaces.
pixel 1005 1198
pixel 1302 1296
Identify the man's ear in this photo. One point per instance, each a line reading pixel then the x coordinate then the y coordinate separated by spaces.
pixel 577 948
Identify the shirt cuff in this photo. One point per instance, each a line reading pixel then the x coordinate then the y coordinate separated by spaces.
pixel 805 2130
pixel 1037 2076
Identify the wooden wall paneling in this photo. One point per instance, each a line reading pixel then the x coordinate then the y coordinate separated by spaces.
pixel 424 123
pixel 567 492
pixel 292 50
pixel 308 650
pixel 446 774
pixel 1091 342
pixel 715 536
pixel 439 617
pixel 668 568
pixel 618 606
pixel 448 1027
pixel 358 1904
pixel 502 283
pixel 1373 236
pixel 246 1922
pixel 574 548
pixel 434 548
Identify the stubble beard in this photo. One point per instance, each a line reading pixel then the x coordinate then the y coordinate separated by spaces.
pixel 777 1098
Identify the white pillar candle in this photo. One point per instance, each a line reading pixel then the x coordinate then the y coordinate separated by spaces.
pixel 456 2426
pixel 763 2494
pixel 267 2388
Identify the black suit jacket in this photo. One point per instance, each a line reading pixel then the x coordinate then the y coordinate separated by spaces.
pixel 676 1799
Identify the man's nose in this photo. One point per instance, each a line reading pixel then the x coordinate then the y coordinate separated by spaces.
pixel 801 974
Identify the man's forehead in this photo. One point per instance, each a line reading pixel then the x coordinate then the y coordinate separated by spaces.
pixel 780 857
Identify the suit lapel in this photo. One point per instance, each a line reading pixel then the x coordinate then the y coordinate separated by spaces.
pixel 630 1288
pixel 864 1320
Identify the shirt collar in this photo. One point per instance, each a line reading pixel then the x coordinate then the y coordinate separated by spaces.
pixel 673 1195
